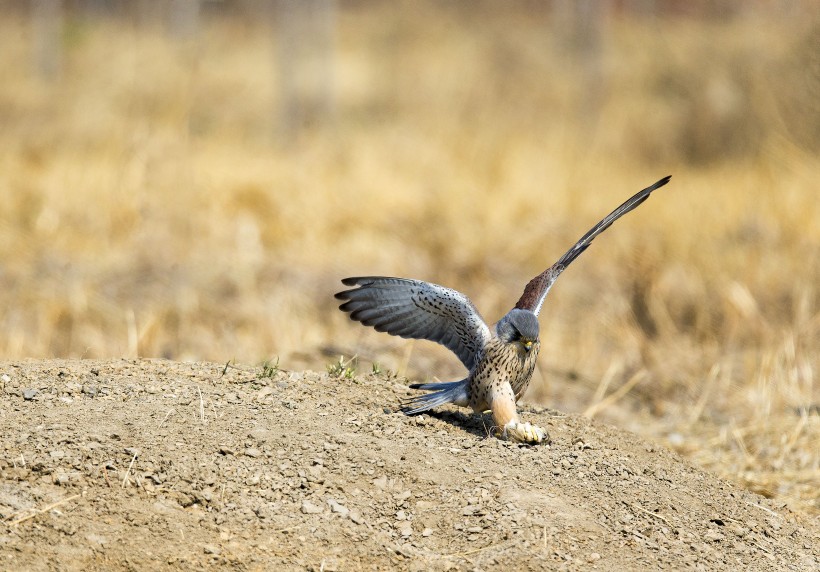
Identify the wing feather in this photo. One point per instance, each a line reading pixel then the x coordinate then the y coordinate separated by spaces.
pixel 536 290
pixel 419 310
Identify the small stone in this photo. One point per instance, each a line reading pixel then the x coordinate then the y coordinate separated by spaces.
pixel 57 454
pixel 260 434
pixel 381 482
pixel 29 394
pixel 211 549
pixel 5 378
pixel 356 517
pixel 310 508
pixel 338 508
pixel 96 539
pixel 225 450
pixel 713 536
pixel 184 500
pixel 264 392
pixel 594 557
pixel 427 532
pixel 251 452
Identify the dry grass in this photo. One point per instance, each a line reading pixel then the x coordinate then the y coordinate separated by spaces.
pixel 150 209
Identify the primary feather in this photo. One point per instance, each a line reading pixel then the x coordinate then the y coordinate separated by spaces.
pixel 537 289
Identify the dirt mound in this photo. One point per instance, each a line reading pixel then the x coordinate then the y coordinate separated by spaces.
pixel 163 465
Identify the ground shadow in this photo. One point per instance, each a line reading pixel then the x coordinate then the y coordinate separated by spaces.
pixel 481 424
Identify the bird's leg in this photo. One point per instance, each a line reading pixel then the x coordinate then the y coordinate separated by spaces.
pixel 505 417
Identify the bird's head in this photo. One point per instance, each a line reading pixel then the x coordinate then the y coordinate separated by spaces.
pixel 519 327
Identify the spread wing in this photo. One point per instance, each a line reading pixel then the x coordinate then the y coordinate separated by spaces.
pixel 420 310
pixel 536 290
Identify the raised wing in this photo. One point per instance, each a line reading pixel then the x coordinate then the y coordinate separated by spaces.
pixel 536 290
pixel 420 310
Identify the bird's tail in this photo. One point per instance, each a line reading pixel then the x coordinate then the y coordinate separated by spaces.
pixel 442 393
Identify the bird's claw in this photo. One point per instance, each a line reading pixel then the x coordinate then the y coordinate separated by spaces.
pixel 525 433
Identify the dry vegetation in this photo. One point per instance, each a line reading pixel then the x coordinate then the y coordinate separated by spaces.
pixel 150 208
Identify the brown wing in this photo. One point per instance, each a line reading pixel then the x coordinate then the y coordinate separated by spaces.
pixel 536 290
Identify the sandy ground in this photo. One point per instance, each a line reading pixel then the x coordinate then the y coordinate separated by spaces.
pixel 150 465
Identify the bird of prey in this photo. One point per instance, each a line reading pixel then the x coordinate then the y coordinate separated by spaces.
pixel 500 359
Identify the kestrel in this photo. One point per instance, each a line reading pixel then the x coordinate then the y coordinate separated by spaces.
pixel 500 360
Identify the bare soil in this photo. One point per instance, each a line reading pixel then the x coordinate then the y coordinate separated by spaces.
pixel 151 465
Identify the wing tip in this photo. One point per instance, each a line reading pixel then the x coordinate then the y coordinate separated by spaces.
pixel 352 281
pixel 662 182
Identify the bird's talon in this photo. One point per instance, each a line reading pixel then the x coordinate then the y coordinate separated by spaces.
pixel 524 432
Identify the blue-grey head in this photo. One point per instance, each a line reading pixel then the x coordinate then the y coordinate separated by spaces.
pixel 518 326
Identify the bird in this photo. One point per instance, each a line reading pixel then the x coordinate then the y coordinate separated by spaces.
pixel 500 360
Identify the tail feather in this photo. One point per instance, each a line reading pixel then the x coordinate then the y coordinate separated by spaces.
pixel 449 392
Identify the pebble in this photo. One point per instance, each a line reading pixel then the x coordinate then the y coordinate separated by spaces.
pixel 211 549
pixel 264 392
pixel 338 508
pixel 310 508
pixel 260 434
pixel 251 452
pixel 96 539
pixel 29 394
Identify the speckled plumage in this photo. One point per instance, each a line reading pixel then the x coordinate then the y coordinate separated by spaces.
pixel 500 361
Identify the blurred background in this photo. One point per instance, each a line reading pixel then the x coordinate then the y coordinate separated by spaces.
pixel 190 179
